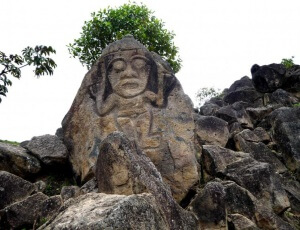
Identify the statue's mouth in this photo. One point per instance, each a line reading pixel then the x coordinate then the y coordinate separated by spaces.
pixel 130 85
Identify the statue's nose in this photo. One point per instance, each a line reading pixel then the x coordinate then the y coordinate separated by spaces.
pixel 129 73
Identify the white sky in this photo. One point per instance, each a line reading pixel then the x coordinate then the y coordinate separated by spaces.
pixel 218 40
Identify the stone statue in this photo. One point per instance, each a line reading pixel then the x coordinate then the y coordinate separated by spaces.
pixel 134 91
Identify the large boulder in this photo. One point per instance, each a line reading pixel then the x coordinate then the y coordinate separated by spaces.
pixel 133 91
pixel 235 113
pixel 122 168
pixel 248 141
pixel 284 124
pixel 211 130
pixel 48 148
pixel 16 160
pixel 104 211
pixel 268 78
pixel 13 189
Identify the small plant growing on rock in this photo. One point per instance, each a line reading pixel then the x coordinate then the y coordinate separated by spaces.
pixel 288 62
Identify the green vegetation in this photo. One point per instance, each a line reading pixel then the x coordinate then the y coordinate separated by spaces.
pixel 206 93
pixel 13 63
pixel 110 24
pixel 55 181
pixel 288 62
pixel 296 105
pixel 10 142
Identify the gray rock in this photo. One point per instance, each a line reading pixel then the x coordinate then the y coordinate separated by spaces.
pixel 68 192
pixel 245 95
pixel 268 78
pixel 235 113
pixel 259 113
pixel 280 97
pixel 90 186
pixel 104 211
pixel 247 141
pixel 244 83
pixel 16 160
pixel 49 149
pixel 262 134
pixel 26 212
pixel 216 159
pixel 209 109
pixel 239 222
pixel 13 189
pixel 209 204
pixel 284 125
pixel 211 130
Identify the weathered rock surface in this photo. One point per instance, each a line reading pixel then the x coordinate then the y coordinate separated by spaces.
pixel 284 124
pixel 48 148
pixel 16 160
pixel 24 213
pixel 235 113
pixel 267 79
pixel 103 211
pixel 211 130
pixel 247 141
pixel 122 168
pixel 133 91
pixel 68 192
pixel 13 189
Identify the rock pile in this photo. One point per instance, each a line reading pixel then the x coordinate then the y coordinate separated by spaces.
pixel 143 159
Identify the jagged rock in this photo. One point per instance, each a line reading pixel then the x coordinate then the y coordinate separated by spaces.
pixel 284 124
pixel 239 222
pixel 24 213
pixel 239 200
pixel 16 160
pixel 90 186
pixel 268 78
pixel 211 130
pixel 40 186
pixel 50 207
pixel 103 211
pixel 148 105
pixel 243 83
pixel 249 95
pixel 292 80
pixel 235 113
pixel 216 159
pixel 13 189
pixel 209 109
pixel 259 113
pixel 292 188
pixel 235 128
pixel 124 169
pixel 68 192
pixel 247 141
pixel 262 135
pixel 209 205
pixel 49 149
pixel 280 97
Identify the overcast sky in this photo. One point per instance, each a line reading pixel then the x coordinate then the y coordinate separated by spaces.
pixel 218 40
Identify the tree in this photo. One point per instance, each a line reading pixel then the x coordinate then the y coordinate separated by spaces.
pixel 205 94
pixel 13 63
pixel 110 24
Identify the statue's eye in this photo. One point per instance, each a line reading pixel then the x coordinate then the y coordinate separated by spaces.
pixel 138 63
pixel 119 65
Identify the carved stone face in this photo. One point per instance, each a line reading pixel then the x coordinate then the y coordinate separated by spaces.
pixel 128 73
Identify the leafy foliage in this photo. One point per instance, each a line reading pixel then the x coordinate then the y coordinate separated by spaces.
pixel 206 93
pixel 110 24
pixel 288 62
pixel 12 64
